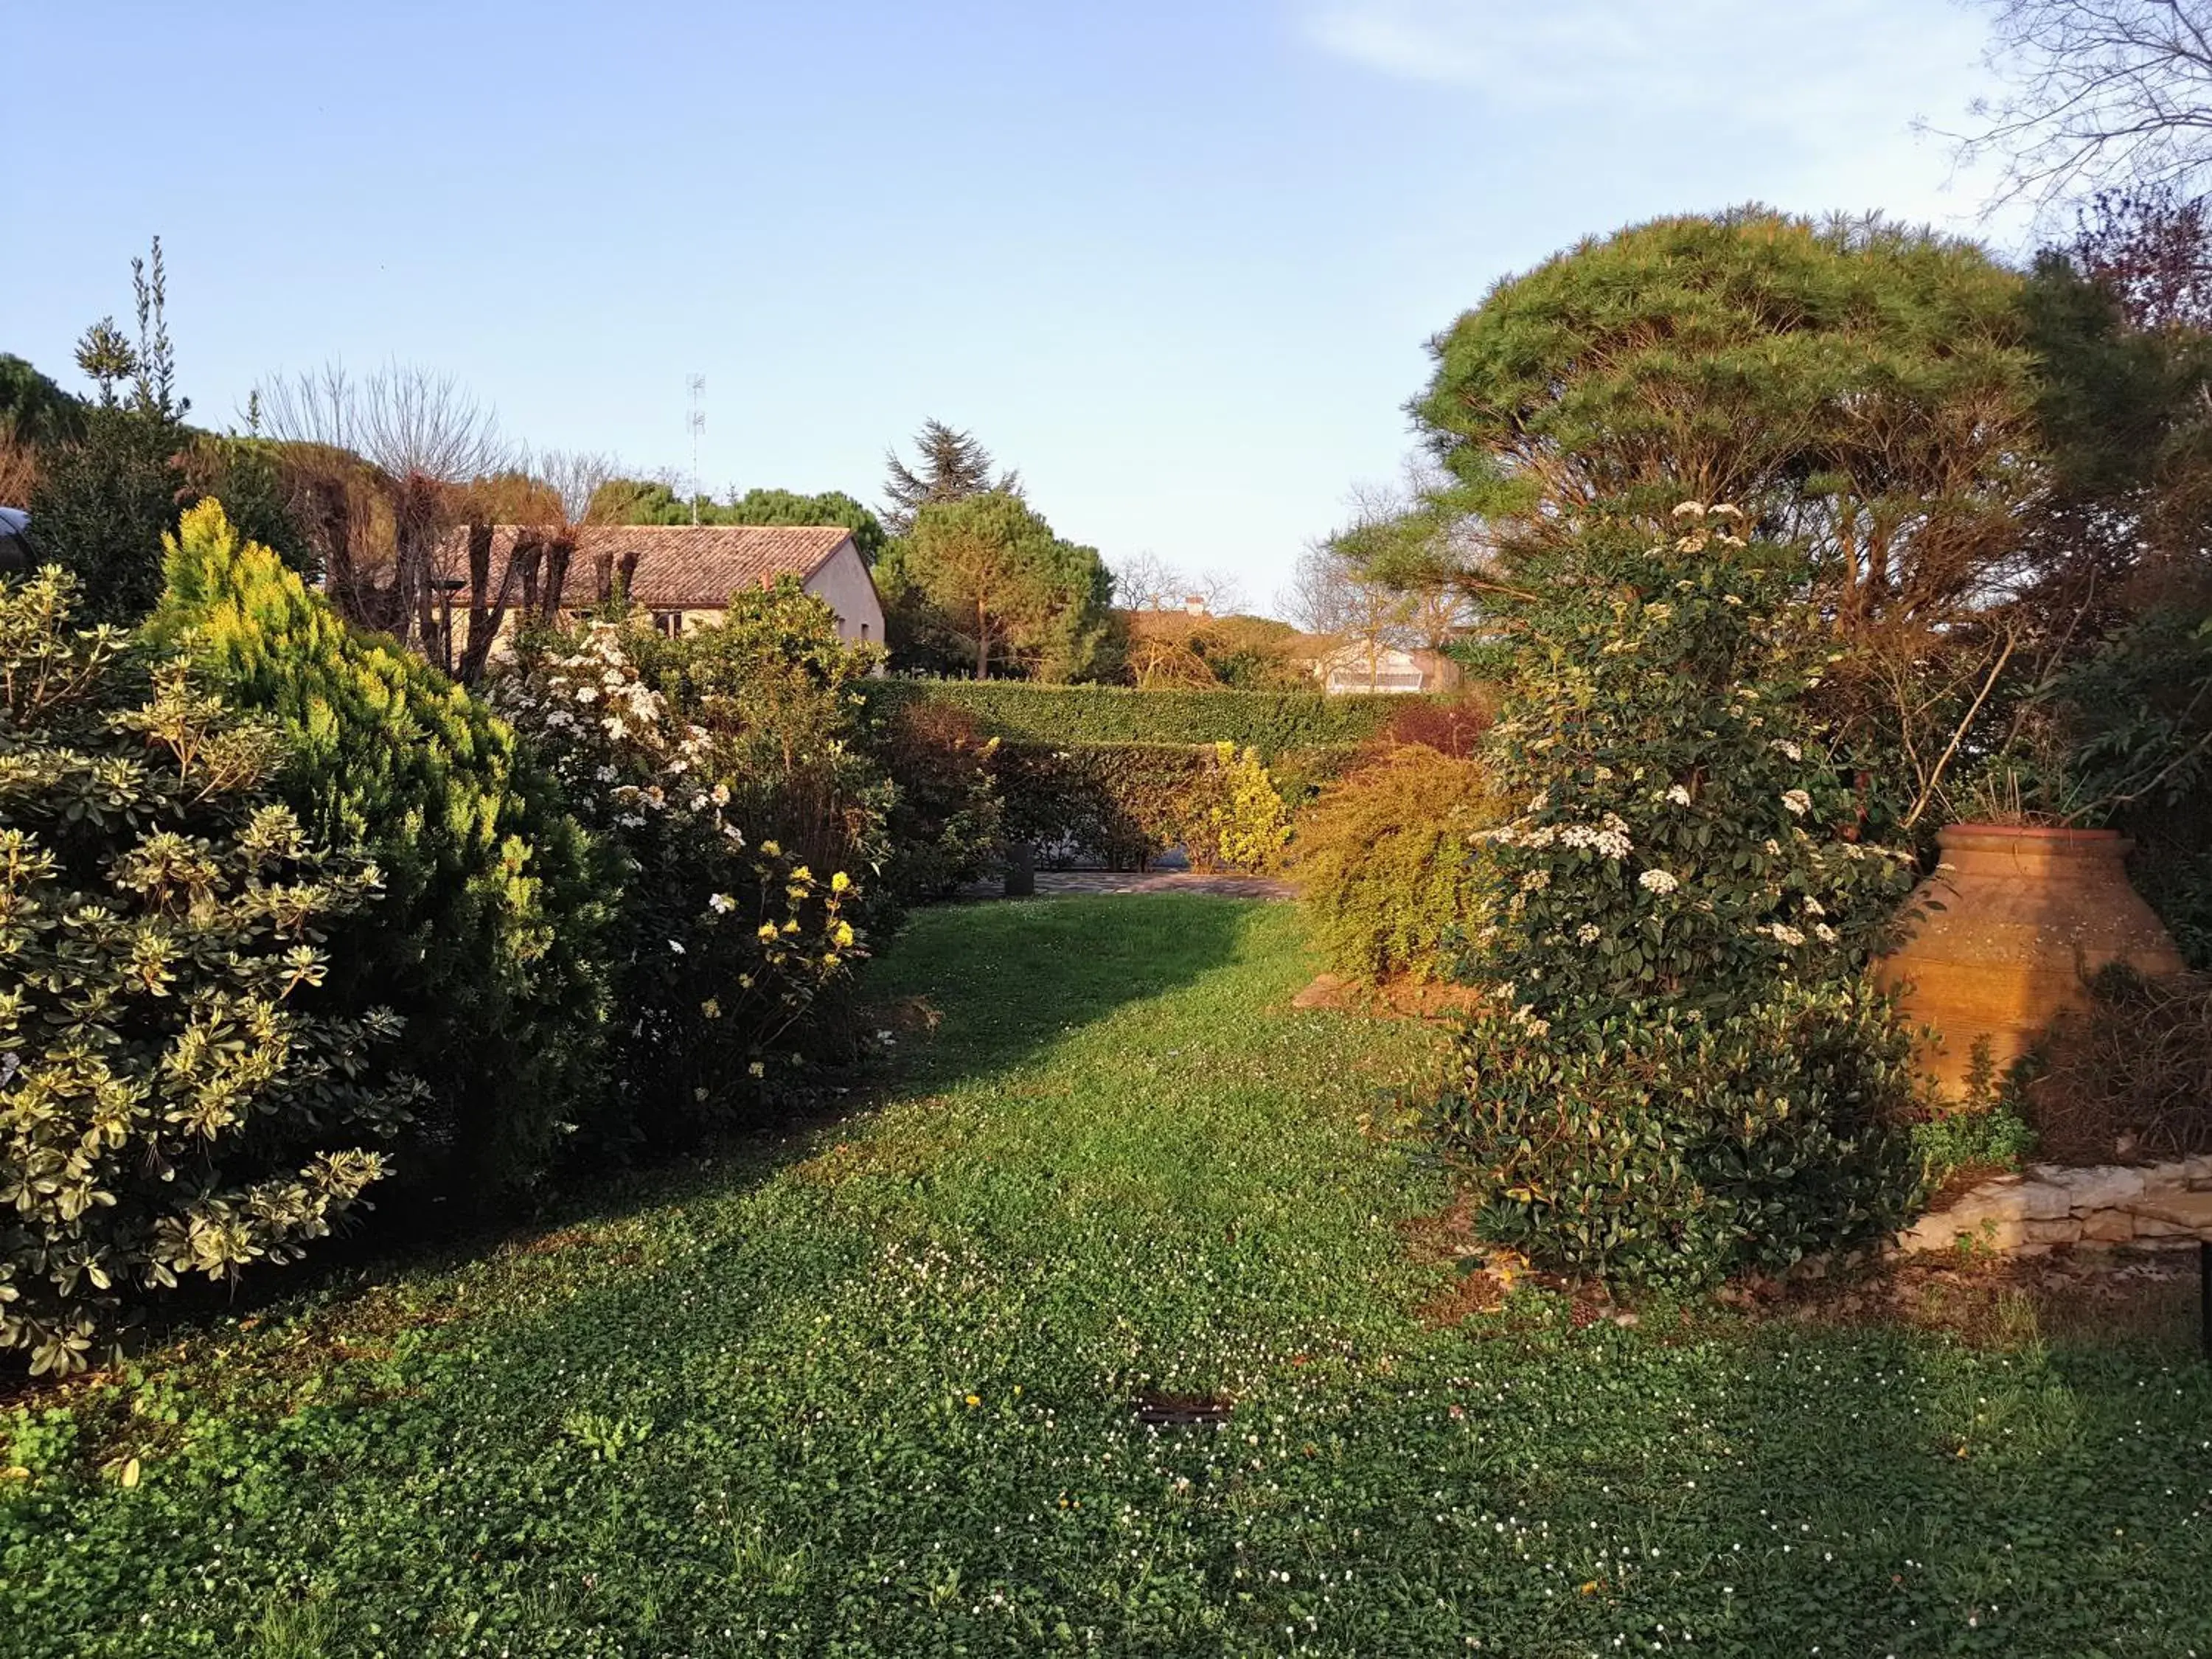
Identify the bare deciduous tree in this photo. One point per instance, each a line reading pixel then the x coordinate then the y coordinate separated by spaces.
pixel 424 434
pixel 1353 615
pixel 1148 582
pixel 2102 92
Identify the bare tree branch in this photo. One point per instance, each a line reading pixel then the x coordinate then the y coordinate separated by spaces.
pixel 2102 93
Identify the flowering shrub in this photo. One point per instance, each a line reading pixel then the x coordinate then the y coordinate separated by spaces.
pixel 720 947
pixel 775 691
pixel 166 1105
pixel 1684 1069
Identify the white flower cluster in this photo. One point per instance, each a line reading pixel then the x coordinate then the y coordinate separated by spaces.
pixel 1678 794
pixel 1657 881
pixel 1784 934
pixel 1798 801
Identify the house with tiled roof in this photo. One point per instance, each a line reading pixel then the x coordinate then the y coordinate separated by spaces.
pixel 682 574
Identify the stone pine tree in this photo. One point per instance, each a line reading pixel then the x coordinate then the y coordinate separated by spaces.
pixel 950 467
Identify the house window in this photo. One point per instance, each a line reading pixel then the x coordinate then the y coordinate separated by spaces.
pixel 864 632
pixel 669 622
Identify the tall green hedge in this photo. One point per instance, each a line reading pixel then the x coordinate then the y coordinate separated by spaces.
pixel 488 941
pixel 1272 722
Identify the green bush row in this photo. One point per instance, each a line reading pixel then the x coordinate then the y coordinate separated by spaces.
pixel 1275 723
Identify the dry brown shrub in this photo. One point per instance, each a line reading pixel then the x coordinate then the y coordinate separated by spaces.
pixel 2129 1078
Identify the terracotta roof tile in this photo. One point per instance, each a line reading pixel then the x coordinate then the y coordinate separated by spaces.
pixel 672 567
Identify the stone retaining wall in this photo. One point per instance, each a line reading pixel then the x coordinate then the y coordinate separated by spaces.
pixel 2150 1207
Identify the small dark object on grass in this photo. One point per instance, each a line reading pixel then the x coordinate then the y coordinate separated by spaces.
pixel 1179 1409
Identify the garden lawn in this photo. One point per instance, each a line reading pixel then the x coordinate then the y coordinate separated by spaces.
pixel 867 1390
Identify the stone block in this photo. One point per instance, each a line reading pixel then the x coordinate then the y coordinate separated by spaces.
pixel 2182 1211
pixel 2062 1231
pixel 2108 1227
pixel 2101 1187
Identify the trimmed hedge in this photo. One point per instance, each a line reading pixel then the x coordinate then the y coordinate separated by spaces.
pixel 1068 716
pixel 1123 805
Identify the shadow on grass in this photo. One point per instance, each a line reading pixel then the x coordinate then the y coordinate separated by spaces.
pixel 1002 981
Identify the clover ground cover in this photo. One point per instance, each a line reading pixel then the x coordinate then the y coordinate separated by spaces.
pixel 868 1389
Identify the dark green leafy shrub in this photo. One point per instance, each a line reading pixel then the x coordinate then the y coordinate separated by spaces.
pixel 946 819
pixel 1385 864
pixel 1661 1148
pixel 721 948
pixel 1683 1069
pixel 167 1104
pixel 489 942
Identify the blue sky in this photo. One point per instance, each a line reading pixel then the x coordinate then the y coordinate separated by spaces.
pixel 1175 262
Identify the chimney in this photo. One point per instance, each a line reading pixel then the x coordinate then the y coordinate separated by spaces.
pixel 1193 604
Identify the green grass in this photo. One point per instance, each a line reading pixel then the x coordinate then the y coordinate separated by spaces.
pixel 866 1391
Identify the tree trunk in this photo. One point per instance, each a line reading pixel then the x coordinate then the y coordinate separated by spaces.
pixel 982 642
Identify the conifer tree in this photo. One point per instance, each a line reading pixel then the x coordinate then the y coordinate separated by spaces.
pixel 950 467
pixel 486 943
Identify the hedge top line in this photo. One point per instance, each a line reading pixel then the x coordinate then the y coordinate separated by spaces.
pixel 1272 722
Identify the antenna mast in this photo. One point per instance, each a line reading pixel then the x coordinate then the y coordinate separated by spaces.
pixel 698 421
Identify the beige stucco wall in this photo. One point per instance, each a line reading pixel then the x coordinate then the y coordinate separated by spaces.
pixel 845 583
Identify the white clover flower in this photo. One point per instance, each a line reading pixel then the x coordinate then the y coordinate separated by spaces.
pixel 1678 795
pixel 1657 881
pixel 1588 933
pixel 1798 801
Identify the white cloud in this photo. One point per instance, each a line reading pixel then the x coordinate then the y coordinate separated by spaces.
pixel 1819 96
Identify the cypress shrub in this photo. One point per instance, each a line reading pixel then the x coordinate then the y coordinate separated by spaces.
pixel 1386 864
pixel 488 941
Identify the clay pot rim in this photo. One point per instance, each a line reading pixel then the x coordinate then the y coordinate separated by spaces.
pixel 2045 836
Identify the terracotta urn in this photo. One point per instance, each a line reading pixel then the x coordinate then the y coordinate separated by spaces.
pixel 2028 916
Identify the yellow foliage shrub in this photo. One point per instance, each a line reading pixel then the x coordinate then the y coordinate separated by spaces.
pixel 1384 866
